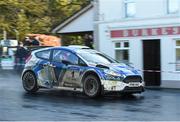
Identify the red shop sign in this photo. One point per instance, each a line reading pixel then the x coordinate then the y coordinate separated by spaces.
pixel 145 32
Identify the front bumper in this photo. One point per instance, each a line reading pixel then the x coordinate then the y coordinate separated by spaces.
pixel 132 87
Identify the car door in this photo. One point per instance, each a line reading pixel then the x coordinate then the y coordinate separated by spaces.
pixel 58 68
pixel 66 68
pixel 72 75
pixel 44 69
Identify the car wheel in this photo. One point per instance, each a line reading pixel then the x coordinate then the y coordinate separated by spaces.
pixel 30 82
pixel 92 86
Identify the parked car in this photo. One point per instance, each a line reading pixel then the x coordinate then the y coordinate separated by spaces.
pixel 79 68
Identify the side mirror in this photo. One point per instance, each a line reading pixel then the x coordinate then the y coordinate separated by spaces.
pixel 66 62
pixel 82 64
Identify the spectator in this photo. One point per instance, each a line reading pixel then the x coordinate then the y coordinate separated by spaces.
pixel 34 42
pixel 20 55
pixel 27 41
pixel 1 51
pixel 31 41
pixel 88 40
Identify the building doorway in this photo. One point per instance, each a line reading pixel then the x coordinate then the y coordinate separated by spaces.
pixel 151 59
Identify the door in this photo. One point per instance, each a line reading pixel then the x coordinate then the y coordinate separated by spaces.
pixel 151 58
pixel 44 69
pixel 66 68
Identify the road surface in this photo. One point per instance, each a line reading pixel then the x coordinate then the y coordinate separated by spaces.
pixel 16 104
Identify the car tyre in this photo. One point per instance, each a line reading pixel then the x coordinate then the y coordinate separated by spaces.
pixel 30 82
pixel 92 86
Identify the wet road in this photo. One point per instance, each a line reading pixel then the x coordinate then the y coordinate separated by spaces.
pixel 16 104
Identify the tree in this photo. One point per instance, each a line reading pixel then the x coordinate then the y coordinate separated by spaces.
pixel 22 25
pixel 35 16
pixel 64 9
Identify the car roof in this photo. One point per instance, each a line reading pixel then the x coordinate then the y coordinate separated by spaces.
pixel 71 48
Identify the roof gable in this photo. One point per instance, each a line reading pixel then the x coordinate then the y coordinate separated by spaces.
pixel 79 22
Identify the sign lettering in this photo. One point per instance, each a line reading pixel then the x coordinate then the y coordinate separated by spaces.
pixel 145 32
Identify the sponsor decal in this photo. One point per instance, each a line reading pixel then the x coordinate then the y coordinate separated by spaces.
pixel 145 32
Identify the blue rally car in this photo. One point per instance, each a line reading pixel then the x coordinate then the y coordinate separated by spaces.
pixel 79 68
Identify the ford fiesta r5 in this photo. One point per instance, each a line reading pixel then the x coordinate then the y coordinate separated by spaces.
pixel 79 67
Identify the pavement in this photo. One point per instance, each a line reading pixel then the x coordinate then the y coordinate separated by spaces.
pixel 16 104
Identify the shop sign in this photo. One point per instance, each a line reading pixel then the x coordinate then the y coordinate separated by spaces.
pixel 145 32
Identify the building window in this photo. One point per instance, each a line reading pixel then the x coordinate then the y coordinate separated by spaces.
pixel 173 6
pixel 178 55
pixel 130 8
pixel 122 51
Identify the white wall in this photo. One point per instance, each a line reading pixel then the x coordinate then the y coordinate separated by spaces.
pixel 136 53
pixel 151 8
pixel 168 57
pixel 110 10
pixel 149 14
pixel 168 54
pixel 80 24
pixel 105 43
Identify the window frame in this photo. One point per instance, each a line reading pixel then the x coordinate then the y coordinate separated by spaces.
pixel 36 54
pixel 52 57
pixel 177 63
pixel 168 8
pixel 66 51
pixel 122 48
pixel 126 2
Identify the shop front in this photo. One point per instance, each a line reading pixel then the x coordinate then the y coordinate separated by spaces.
pixel 155 51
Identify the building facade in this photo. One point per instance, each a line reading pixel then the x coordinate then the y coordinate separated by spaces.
pixel 143 33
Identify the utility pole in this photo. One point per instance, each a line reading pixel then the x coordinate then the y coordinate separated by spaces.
pixel 4 34
pixel 4 49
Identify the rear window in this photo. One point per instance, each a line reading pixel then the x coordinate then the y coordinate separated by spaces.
pixel 44 54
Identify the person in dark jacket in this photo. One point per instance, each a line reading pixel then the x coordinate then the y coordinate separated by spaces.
pixel 35 42
pixel 27 41
pixel 21 55
pixel 88 40
pixel 1 51
pixel 31 41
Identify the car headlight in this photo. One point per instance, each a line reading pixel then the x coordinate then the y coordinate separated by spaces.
pixel 111 72
pixel 112 75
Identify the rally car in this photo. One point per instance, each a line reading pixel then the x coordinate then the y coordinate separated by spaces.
pixel 79 68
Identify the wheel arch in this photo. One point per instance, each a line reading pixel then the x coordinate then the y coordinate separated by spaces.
pixel 28 71
pixel 91 72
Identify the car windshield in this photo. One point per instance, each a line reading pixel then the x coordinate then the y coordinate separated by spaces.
pixel 98 58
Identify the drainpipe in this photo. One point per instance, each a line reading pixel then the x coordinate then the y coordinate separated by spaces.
pixel 96 25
